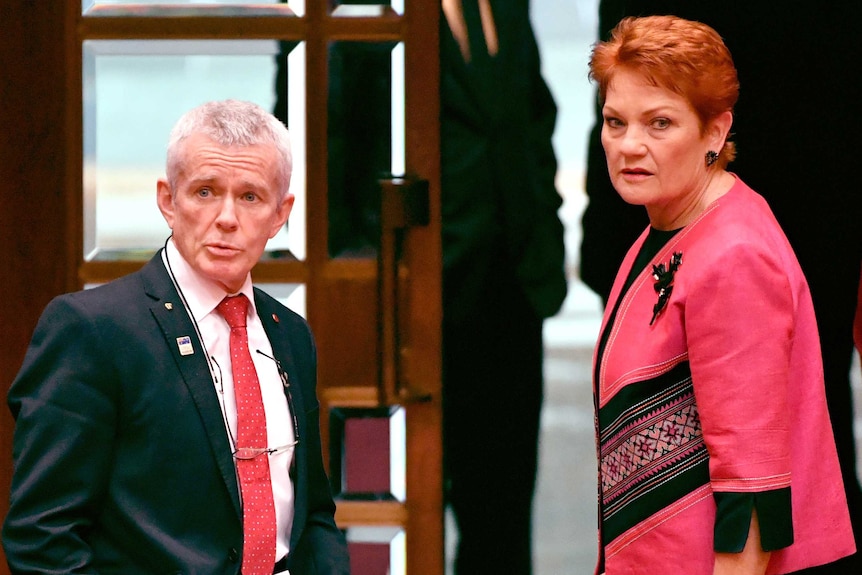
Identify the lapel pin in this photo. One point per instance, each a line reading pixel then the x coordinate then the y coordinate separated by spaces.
pixel 664 282
pixel 169 306
pixel 275 318
pixel 185 345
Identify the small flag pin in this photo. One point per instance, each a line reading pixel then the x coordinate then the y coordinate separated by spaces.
pixel 185 345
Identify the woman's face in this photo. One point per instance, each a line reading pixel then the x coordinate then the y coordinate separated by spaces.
pixel 655 147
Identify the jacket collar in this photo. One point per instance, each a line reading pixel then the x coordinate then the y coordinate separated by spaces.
pixel 187 353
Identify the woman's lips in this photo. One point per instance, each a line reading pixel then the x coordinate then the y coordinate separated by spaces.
pixel 635 174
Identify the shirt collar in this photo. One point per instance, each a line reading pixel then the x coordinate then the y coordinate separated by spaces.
pixel 202 295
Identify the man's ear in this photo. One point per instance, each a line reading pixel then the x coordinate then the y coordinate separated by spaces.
pixel 282 213
pixel 165 200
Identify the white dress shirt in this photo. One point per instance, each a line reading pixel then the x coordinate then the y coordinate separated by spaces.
pixel 201 296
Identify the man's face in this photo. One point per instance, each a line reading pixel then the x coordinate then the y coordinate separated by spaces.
pixel 224 207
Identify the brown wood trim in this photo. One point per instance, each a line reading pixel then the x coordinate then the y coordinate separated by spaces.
pixel 33 141
pixel 355 269
pixel 205 27
pixel 74 149
pixel 351 397
pixel 293 272
pixel 367 513
pixel 102 272
pixel 425 526
pixel 96 272
pixel 385 28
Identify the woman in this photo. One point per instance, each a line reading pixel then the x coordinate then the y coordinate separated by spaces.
pixel 715 447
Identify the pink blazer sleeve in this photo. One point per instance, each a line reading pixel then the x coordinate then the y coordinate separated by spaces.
pixel 739 340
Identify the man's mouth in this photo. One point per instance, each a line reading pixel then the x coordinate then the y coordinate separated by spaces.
pixel 222 249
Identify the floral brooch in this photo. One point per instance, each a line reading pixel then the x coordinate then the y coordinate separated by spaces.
pixel 663 286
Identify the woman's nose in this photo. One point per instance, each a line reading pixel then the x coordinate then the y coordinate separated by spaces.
pixel 632 142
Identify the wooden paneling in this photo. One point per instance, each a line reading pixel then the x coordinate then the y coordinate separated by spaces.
pixel 33 218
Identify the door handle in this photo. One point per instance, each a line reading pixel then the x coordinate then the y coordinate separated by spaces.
pixel 404 204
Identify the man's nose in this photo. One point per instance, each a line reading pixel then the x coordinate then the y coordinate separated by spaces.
pixel 227 216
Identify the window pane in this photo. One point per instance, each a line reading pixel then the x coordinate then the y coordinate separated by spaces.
pixel 366 8
pixel 376 550
pixel 366 140
pixel 368 450
pixel 134 91
pixel 191 7
pixel 290 295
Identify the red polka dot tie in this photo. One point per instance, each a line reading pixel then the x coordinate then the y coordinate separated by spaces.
pixel 258 509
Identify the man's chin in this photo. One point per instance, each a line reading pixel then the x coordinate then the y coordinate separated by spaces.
pixel 230 276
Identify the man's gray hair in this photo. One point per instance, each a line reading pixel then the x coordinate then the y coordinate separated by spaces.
pixel 231 123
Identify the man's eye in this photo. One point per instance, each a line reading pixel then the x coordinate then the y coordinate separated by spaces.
pixel 204 192
pixel 249 196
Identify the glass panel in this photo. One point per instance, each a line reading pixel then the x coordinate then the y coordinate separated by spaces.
pixel 368 453
pixel 365 140
pixel 365 9
pixel 376 550
pixel 191 8
pixel 290 295
pixel 134 91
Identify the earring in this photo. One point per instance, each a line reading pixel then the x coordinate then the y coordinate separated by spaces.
pixel 711 157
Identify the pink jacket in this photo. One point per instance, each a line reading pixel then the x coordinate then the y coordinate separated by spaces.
pixel 740 314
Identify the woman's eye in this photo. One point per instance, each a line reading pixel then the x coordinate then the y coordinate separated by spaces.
pixel 661 123
pixel 613 122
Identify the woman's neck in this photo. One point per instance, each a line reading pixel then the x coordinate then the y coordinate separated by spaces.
pixel 718 184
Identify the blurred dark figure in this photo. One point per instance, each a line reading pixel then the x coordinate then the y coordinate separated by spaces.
pixel 503 273
pixel 796 126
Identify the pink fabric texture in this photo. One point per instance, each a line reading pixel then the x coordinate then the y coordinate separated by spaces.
pixel 740 313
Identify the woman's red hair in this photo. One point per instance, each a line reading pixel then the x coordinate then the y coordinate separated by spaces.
pixel 686 57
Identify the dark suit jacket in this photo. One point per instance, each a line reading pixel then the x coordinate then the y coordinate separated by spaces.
pixel 499 202
pixel 122 461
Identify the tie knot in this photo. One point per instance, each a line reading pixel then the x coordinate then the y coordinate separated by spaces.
pixel 234 310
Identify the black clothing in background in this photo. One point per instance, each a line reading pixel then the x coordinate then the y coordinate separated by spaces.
pixel 503 273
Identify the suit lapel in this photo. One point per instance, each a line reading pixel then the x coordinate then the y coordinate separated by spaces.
pixel 168 310
pixel 280 342
pixel 277 332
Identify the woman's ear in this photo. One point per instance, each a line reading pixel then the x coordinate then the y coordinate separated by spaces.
pixel 719 129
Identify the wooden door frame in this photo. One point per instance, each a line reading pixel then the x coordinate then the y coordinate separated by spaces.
pixel 33 207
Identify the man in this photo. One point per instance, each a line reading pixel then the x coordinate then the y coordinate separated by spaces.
pixel 503 273
pixel 160 426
